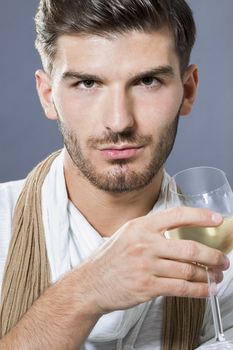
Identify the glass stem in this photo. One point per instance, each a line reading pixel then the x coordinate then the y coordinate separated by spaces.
pixel 219 334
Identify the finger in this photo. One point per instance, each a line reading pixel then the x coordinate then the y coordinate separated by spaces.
pixel 179 288
pixel 216 275
pixel 190 251
pixel 180 270
pixel 182 216
pixel 189 272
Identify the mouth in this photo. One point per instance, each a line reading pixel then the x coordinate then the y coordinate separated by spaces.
pixel 125 151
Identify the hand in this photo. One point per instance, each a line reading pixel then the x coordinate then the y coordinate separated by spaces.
pixel 138 263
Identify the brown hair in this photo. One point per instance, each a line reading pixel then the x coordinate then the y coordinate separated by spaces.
pixel 103 17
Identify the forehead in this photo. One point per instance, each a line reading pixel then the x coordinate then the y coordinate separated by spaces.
pixel 121 53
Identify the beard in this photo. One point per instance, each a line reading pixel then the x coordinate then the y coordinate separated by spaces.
pixel 120 178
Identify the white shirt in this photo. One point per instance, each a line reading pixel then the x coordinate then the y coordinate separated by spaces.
pixel 144 335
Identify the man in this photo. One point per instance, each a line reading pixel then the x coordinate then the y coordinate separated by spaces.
pixel 83 265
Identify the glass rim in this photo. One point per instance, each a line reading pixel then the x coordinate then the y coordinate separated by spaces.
pixel 203 193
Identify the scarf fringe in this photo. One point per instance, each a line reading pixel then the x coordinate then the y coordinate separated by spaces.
pixel 27 272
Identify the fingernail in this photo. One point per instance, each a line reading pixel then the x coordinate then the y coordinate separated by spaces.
pixel 226 262
pixel 215 276
pixel 216 218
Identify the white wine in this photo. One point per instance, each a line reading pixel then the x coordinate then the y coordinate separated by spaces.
pixel 220 237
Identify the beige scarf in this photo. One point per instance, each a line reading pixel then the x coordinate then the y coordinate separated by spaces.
pixel 27 271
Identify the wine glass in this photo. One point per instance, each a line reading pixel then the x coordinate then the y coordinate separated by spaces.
pixel 205 187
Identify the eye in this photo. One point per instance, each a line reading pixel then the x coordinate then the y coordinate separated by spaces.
pixel 150 81
pixel 88 84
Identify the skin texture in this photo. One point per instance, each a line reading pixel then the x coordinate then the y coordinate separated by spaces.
pixel 118 103
pixel 137 263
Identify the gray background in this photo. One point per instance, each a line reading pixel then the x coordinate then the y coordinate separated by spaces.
pixel 204 138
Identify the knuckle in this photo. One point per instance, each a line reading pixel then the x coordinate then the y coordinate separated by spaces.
pixel 171 245
pixel 143 266
pixel 130 226
pixel 204 214
pixel 191 250
pixel 134 228
pixel 144 285
pixel 178 214
pixel 188 289
pixel 202 291
pixel 137 249
pixel 183 288
pixel 189 272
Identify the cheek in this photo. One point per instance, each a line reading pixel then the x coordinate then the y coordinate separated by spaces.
pixel 73 118
pixel 160 108
pixel 78 107
pixel 70 110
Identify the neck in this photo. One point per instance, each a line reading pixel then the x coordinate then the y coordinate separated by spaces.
pixel 106 211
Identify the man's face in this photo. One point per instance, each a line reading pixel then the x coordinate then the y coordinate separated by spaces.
pixel 117 101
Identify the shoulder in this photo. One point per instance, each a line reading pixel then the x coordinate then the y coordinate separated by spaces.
pixel 12 188
pixel 9 193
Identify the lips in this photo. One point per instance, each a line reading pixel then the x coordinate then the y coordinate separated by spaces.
pixel 121 152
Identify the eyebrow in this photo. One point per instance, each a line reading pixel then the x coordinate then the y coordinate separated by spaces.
pixel 157 71
pixel 166 71
pixel 72 75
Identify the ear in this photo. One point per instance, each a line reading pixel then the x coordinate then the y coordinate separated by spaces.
pixel 44 89
pixel 190 83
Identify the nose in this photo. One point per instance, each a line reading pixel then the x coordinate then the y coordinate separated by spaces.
pixel 119 115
